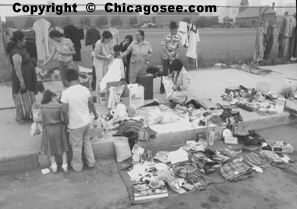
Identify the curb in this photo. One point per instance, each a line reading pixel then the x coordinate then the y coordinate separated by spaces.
pixel 104 149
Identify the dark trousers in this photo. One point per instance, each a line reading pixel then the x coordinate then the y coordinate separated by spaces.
pixel 126 65
pixel 166 71
pixel 93 83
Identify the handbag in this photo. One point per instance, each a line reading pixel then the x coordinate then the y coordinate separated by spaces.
pixel 239 130
pixel 23 102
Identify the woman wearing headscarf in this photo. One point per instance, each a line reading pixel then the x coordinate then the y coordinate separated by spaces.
pixel 181 82
pixel 141 51
pixel 23 71
pixel 124 46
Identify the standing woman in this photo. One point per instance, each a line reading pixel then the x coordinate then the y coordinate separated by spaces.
pixel 103 51
pixel 23 71
pixel 141 53
pixel 65 49
pixel 124 46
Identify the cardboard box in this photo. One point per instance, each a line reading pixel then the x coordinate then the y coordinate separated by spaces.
pixel 136 95
pixel 125 93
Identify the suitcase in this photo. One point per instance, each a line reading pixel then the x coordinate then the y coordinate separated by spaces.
pixel 147 81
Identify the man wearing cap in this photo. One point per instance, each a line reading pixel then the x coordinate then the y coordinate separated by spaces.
pixel 171 45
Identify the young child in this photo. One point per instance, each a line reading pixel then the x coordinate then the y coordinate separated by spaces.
pixel 39 74
pixel 93 83
pixel 54 137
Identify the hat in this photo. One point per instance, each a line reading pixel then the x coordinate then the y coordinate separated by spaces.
pixel 216 120
pixel 173 25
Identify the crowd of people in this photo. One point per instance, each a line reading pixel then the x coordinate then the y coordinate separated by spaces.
pixel 66 120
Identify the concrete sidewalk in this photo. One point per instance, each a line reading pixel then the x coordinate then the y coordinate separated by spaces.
pixel 16 142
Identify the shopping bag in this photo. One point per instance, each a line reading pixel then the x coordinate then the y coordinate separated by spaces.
pixel 168 85
pixel 35 129
pixel 23 102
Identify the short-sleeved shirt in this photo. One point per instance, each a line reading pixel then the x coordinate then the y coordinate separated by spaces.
pixel 63 46
pixel 139 51
pixel 171 42
pixel 77 98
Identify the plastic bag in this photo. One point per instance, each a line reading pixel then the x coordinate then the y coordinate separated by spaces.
pixel 154 116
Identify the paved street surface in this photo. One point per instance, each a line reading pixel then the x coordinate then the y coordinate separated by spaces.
pixel 102 188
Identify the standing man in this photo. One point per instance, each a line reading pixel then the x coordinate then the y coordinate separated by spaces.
pixel 76 103
pixel 171 45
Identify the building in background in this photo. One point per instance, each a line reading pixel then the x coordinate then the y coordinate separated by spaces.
pixel 248 17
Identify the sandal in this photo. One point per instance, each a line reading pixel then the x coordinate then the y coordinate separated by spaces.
pixel 65 168
pixel 53 169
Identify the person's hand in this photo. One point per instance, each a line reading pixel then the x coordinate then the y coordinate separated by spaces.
pixel 96 116
pixel 23 86
pixel 174 87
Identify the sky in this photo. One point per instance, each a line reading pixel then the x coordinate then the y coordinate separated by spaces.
pixel 7 10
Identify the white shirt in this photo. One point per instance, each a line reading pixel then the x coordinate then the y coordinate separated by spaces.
pixel 77 98
pixel 41 28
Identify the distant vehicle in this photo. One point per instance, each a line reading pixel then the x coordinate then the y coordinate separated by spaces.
pixel 148 25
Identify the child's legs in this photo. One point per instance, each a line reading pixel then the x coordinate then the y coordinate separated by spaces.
pixel 62 69
pixel 64 158
pixel 99 76
pixel 76 136
pixel 87 146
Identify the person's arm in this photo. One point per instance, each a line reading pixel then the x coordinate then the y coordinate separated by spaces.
pixel 92 107
pixel 50 57
pixel 150 54
pixel 64 111
pixel 42 73
pixel 129 49
pixel 98 52
pixel 185 83
pixel 17 63
pixel 179 47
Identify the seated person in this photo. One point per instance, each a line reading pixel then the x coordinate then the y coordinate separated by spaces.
pixel 180 80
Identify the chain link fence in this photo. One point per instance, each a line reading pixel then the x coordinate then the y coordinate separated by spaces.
pixel 228 35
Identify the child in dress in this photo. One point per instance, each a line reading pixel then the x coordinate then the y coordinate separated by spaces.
pixel 54 137
pixel 39 74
